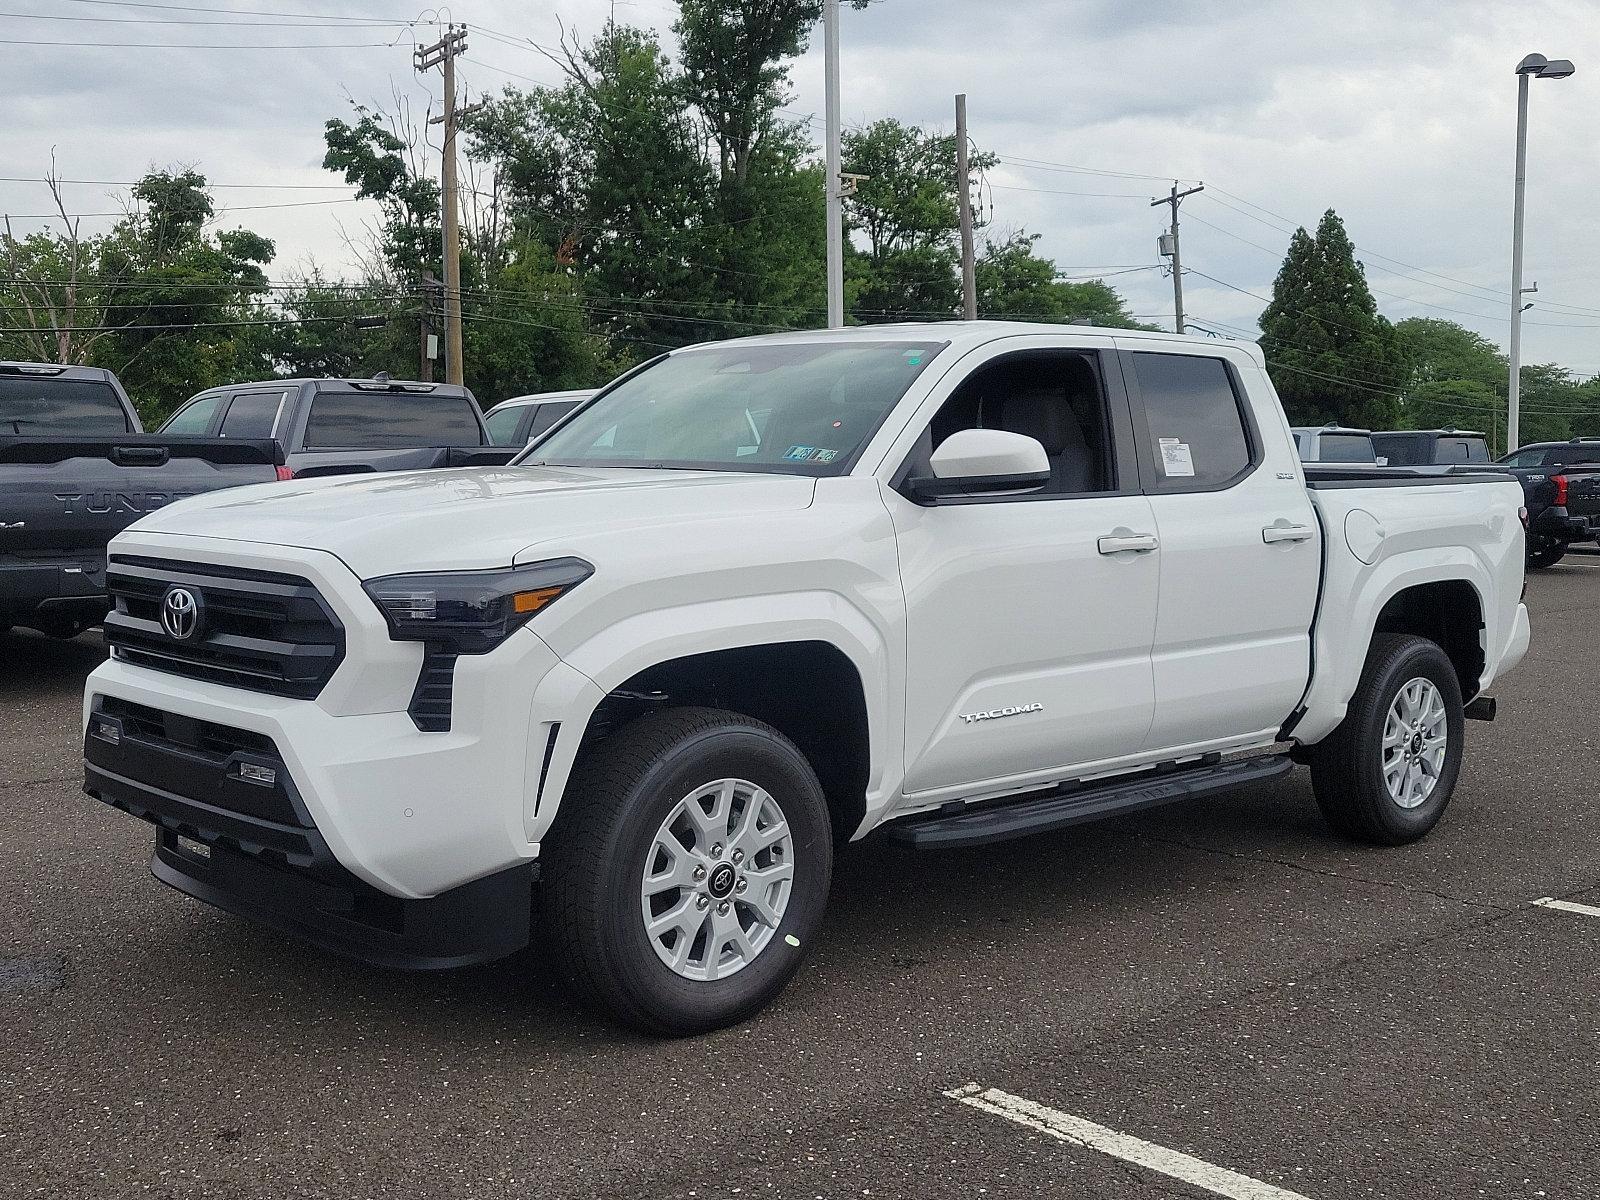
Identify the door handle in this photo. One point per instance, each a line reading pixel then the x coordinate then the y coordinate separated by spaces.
pixel 1287 533
pixel 1141 543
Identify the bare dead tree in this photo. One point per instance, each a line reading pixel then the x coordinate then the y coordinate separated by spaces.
pixel 64 308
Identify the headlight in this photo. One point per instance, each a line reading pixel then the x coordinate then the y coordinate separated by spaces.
pixel 472 612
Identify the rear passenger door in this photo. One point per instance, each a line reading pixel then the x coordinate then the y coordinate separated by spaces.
pixel 1240 551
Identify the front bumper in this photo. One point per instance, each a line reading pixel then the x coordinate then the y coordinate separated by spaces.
pixel 233 831
pixel 410 814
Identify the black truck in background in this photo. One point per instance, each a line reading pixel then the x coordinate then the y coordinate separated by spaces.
pixel 1561 491
pixel 75 468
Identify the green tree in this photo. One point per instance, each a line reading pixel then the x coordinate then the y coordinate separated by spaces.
pixel 1014 283
pixel 1331 355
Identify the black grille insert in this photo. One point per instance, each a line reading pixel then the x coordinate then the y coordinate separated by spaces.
pixel 262 630
pixel 435 690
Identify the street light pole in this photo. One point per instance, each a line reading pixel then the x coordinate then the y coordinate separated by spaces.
pixel 835 167
pixel 1534 65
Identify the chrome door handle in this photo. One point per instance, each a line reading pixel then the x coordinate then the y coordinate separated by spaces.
pixel 1141 543
pixel 1287 533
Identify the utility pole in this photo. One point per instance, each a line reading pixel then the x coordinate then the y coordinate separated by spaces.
pixel 443 54
pixel 969 278
pixel 835 181
pixel 1177 257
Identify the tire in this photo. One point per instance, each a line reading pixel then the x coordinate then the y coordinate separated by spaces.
pixel 1546 555
pixel 613 825
pixel 1348 767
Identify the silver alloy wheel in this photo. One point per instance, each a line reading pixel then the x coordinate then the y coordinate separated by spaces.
pixel 717 879
pixel 1415 738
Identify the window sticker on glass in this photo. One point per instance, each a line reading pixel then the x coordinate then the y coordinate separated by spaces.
pixel 799 453
pixel 825 456
pixel 1175 458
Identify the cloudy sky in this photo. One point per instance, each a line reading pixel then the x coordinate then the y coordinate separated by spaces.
pixel 1398 115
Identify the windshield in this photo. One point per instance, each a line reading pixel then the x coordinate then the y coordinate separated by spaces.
pixel 800 408
pixel 65 407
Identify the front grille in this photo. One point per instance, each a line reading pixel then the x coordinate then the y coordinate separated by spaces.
pixel 261 630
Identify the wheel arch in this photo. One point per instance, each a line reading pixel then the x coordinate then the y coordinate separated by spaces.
pixel 1445 602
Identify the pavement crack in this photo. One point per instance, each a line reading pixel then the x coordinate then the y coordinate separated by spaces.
pixel 1323 871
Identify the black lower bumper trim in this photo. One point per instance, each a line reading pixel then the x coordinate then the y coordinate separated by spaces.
pixel 474 923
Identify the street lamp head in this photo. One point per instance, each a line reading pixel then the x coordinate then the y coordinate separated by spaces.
pixel 1540 67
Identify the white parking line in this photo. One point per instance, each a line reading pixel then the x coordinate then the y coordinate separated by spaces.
pixel 1583 910
pixel 1078 1132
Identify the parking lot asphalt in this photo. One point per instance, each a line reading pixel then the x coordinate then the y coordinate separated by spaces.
pixel 1224 979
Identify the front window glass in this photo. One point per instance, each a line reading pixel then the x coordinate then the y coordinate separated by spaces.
pixel 64 407
pixel 803 408
pixel 195 419
pixel 502 423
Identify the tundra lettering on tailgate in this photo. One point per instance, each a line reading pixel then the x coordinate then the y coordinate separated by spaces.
pixel 115 502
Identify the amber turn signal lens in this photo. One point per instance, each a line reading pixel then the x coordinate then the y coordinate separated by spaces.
pixel 532 602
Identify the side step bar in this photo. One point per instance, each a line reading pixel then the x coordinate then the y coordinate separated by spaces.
pixel 1073 804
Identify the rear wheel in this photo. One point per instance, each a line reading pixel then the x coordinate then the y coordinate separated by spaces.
pixel 1387 772
pixel 688 870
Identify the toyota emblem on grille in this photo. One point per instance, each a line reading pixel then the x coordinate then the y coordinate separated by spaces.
pixel 180 613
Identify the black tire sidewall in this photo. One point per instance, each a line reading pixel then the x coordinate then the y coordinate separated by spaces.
pixel 663 998
pixel 1426 661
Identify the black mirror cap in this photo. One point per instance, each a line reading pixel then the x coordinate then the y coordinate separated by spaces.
pixel 929 488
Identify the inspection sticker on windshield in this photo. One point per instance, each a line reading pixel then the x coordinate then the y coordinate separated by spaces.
pixel 1175 457
pixel 799 453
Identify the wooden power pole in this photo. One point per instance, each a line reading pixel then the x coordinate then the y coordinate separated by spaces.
pixel 1175 199
pixel 969 278
pixel 443 54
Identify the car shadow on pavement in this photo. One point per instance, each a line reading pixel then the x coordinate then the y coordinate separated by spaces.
pixel 31 663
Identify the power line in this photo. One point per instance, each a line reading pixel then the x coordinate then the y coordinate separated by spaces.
pixel 135 182
pixel 364 24
pixel 1042 165
pixel 200 46
pixel 1007 187
pixel 249 12
pixel 220 212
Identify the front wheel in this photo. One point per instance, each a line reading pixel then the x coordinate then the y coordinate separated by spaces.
pixel 688 870
pixel 1386 774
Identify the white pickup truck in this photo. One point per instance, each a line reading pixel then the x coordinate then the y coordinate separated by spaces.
pixel 958 582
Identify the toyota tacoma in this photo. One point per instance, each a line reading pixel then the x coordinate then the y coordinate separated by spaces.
pixel 952 582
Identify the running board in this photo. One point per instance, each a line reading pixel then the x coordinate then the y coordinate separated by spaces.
pixel 1073 804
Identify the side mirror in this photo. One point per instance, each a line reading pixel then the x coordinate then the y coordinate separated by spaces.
pixel 975 461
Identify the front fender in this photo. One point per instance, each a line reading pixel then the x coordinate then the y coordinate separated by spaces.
pixel 615 653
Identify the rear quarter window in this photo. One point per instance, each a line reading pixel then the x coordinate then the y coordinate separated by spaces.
pixel 390 421
pixel 1460 450
pixel 1346 448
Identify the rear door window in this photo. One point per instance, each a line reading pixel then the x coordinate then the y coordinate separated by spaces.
pixel 61 407
pixel 548 415
pixel 1195 437
pixel 1461 450
pixel 252 415
pixel 357 420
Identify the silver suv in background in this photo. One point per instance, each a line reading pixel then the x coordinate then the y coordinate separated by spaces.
pixel 517 421
pixel 1334 443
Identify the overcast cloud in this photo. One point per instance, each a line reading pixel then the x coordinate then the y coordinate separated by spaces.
pixel 1398 115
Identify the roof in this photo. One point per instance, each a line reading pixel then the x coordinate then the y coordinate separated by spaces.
pixel 1429 432
pixel 970 334
pixel 52 371
pixel 545 398
pixel 448 389
pixel 1332 429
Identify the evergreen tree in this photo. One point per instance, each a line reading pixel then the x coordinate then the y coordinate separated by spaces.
pixel 1329 352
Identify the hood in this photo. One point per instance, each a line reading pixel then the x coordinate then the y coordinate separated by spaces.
pixel 470 518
